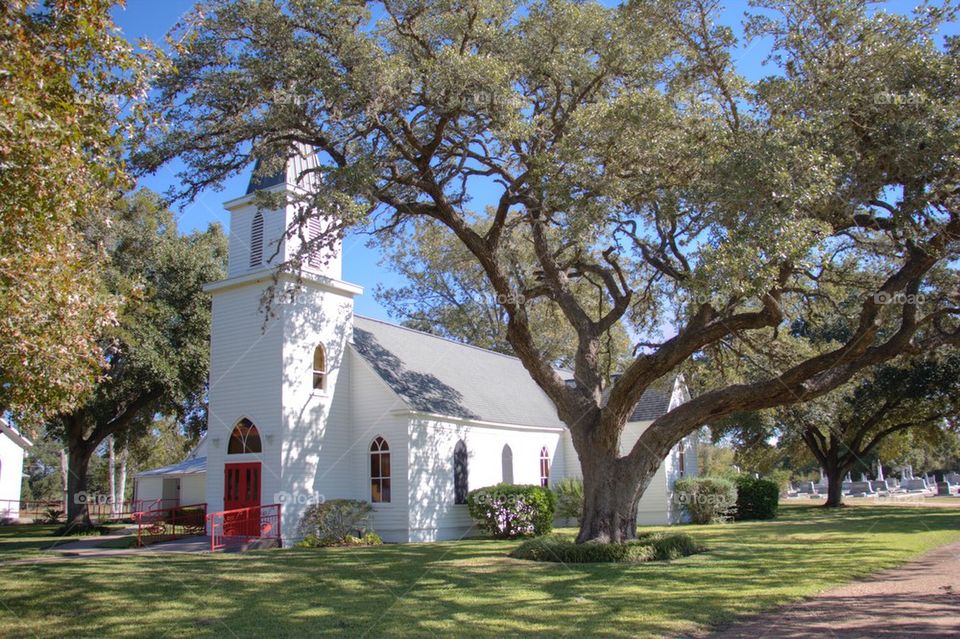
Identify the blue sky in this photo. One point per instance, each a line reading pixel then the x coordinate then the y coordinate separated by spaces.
pixel 152 19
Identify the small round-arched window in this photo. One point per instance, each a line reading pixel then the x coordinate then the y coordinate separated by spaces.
pixel 319 368
pixel 245 438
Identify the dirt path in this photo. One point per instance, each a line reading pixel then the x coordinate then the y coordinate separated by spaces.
pixel 920 599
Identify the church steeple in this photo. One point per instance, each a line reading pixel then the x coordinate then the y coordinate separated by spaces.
pixel 264 239
pixel 304 158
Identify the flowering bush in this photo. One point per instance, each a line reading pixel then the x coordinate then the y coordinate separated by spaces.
pixel 509 510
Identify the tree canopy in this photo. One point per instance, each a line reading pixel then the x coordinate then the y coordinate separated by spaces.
pixel 446 293
pixel 618 145
pixel 66 74
pixel 157 354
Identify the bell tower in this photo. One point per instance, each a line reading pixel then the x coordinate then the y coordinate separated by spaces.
pixel 277 368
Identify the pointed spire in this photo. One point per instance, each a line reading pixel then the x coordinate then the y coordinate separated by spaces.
pixel 303 159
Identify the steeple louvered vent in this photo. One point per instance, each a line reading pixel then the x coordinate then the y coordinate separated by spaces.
pixel 256 240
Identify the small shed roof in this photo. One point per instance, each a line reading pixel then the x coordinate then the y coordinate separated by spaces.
pixel 14 435
pixel 191 466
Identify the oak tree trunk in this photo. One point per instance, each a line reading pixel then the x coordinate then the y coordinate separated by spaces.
pixel 112 475
pixel 611 492
pixel 122 483
pixel 835 474
pixel 78 515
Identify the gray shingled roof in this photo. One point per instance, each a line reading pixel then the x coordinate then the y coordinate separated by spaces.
pixel 653 403
pixel 191 466
pixel 258 182
pixel 437 375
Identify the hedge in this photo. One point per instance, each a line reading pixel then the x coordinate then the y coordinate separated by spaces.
pixel 650 547
pixel 757 498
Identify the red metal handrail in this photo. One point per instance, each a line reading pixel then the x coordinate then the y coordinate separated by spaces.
pixel 170 523
pixel 244 524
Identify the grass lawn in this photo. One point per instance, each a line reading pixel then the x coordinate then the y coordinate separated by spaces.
pixel 464 589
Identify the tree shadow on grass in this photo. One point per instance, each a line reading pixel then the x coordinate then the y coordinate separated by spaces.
pixel 469 588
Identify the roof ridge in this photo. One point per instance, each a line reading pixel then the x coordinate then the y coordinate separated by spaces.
pixel 447 339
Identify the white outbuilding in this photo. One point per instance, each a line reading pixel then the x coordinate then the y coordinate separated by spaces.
pixel 13 449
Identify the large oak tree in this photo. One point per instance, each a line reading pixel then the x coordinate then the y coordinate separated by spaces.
pixel 157 354
pixel 846 428
pixel 619 144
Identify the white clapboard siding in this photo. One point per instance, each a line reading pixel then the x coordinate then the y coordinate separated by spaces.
pixel 433 513
pixel 374 409
pixel 245 382
pixel 317 434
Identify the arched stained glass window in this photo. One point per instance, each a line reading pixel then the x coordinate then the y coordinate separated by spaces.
pixel 506 464
pixel 544 467
pixel 379 471
pixel 461 478
pixel 319 368
pixel 245 438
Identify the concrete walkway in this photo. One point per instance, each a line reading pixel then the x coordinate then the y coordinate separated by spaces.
pixel 87 548
pixel 920 599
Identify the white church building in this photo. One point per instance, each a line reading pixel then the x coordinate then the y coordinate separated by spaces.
pixel 314 402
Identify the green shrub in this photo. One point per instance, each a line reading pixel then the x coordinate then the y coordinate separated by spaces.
pixel 369 539
pixel 668 546
pixel 654 547
pixel 510 510
pixel 706 499
pixel 757 498
pixel 569 499
pixel 372 539
pixel 332 521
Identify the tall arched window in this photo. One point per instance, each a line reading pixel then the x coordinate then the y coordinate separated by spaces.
pixel 319 368
pixel 681 461
pixel 544 467
pixel 379 471
pixel 461 478
pixel 506 464
pixel 256 240
pixel 245 438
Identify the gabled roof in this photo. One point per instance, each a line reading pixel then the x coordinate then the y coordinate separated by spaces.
pixel 436 375
pixel 653 403
pixel 191 466
pixel 14 435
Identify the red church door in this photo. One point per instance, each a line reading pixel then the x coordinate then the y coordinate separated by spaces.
pixel 241 489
